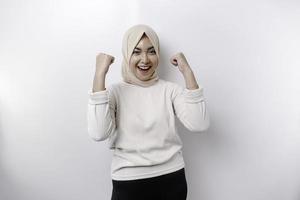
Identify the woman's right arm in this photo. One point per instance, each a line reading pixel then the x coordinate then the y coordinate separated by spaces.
pixel 103 61
pixel 101 106
pixel 99 82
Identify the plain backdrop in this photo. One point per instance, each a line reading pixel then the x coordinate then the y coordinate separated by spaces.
pixel 244 53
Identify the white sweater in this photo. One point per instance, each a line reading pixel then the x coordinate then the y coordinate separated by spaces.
pixel 139 123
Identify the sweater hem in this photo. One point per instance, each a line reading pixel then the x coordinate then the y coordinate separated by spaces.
pixel 134 173
pixel 149 175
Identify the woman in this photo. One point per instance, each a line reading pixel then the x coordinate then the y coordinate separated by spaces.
pixel 137 116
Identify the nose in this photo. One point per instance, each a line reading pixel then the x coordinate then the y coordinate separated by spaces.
pixel 144 58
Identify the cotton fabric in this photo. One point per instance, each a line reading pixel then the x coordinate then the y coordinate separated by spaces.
pixel 139 123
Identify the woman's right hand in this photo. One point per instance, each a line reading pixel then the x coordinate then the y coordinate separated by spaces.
pixel 103 61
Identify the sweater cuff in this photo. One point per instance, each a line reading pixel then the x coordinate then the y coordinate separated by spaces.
pixel 100 97
pixel 195 95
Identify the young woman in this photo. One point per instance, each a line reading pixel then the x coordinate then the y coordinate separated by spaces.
pixel 137 116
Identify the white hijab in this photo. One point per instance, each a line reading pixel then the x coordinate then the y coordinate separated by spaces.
pixel 130 40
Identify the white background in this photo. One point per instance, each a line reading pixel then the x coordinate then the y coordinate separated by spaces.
pixel 244 53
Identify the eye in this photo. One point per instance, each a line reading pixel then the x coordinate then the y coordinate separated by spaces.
pixel 136 52
pixel 152 51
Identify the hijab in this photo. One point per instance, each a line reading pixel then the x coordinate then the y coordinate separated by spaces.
pixel 131 38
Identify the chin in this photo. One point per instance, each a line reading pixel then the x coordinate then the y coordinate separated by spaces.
pixel 143 78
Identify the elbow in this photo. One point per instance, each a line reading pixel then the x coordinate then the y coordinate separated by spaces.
pixel 202 126
pixel 98 139
pixel 96 135
pixel 100 130
pixel 205 126
pixel 101 134
pixel 197 120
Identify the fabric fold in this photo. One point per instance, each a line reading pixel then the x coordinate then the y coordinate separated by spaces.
pixel 99 97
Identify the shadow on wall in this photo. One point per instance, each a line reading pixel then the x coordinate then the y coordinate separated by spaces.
pixel 8 188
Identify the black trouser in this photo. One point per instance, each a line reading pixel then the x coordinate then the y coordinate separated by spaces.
pixel 172 186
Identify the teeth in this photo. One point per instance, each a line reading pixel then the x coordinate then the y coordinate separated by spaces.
pixel 143 67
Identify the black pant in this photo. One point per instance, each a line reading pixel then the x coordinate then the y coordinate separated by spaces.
pixel 172 186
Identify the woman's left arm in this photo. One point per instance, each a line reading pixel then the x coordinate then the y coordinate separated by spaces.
pixel 189 104
pixel 180 61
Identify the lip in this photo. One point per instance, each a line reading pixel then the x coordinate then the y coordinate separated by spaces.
pixel 144 65
pixel 144 72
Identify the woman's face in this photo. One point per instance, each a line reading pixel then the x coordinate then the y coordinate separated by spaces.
pixel 143 60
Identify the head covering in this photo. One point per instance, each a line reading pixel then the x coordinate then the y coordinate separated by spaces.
pixel 130 40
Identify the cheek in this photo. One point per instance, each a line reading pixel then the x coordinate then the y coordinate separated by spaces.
pixel 132 62
pixel 154 61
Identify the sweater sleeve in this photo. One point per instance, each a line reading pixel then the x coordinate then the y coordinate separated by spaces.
pixel 190 108
pixel 101 114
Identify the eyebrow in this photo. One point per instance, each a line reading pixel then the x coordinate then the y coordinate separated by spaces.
pixel 140 49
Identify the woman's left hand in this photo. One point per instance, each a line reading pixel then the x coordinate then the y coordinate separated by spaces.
pixel 180 61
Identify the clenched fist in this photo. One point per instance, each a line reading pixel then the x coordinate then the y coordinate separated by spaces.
pixel 180 61
pixel 103 61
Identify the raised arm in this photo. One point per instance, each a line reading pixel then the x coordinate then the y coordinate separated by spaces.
pixel 101 105
pixel 103 61
pixel 189 102
pixel 190 108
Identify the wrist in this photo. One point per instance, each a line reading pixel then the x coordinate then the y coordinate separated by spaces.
pixel 100 74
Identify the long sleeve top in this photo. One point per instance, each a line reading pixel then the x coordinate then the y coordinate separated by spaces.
pixel 139 123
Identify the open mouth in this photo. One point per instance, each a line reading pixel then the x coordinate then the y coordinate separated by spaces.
pixel 144 69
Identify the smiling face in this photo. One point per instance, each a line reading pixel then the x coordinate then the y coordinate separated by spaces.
pixel 144 60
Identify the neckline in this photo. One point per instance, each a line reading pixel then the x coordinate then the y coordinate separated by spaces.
pixel 134 85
